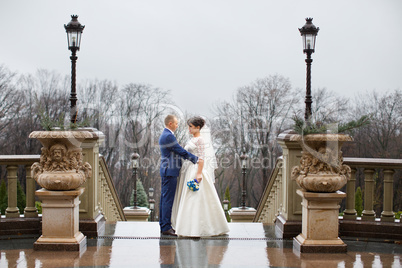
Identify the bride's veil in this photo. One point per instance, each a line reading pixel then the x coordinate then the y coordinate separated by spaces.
pixel 210 162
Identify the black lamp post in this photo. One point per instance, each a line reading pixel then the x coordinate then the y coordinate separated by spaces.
pixel 243 159
pixel 308 33
pixel 74 30
pixel 134 165
pixel 151 202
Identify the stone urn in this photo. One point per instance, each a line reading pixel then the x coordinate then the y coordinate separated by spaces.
pixel 321 166
pixel 61 167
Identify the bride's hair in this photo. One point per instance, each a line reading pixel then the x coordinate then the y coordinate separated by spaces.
pixel 196 121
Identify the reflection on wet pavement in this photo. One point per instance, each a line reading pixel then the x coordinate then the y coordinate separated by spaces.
pixel 131 244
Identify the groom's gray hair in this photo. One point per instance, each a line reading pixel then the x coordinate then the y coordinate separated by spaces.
pixel 169 118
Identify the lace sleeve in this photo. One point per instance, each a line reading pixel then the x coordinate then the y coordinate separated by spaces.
pixel 200 148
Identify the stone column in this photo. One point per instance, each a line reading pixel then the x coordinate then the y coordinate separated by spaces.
pixel 288 222
pixel 30 210
pixel 12 209
pixel 388 214
pixel 320 223
pixel 368 213
pixel 60 219
pixel 350 212
pixel 91 218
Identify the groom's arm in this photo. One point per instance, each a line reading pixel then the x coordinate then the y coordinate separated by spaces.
pixel 175 147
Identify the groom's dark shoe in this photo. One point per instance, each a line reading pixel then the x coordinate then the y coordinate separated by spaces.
pixel 169 232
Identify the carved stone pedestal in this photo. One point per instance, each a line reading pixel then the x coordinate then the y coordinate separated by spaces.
pixel 242 214
pixel 320 223
pixel 136 214
pixel 60 218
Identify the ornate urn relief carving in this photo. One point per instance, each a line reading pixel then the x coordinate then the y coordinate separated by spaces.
pixel 61 166
pixel 321 166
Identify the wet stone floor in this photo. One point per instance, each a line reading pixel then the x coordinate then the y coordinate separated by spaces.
pixel 134 244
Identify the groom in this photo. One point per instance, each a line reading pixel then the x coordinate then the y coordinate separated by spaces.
pixel 171 154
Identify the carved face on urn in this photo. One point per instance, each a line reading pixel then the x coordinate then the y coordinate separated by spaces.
pixel 58 152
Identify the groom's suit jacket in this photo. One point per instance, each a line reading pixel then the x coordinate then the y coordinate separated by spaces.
pixel 171 154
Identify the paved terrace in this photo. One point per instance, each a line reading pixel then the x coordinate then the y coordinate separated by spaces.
pixel 135 244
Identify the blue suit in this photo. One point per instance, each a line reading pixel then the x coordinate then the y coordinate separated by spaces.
pixel 171 154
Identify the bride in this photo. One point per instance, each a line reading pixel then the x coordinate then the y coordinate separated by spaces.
pixel 198 213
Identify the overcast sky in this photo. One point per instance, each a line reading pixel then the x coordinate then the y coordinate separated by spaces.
pixel 202 51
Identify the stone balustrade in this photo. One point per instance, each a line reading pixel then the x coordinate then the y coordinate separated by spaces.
pixel 281 204
pixel 12 162
pixel 369 166
pixel 106 200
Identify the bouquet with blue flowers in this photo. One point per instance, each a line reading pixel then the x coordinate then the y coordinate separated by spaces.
pixel 193 185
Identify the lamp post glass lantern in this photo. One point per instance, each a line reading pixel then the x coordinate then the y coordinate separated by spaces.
pixel 134 165
pixel 151 192
pixel 74 31
pixel 225 205
pixel 309 34
pixel 243 159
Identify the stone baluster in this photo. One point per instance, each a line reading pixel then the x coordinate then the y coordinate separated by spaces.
pixel 387 213
pixel 274 200
pixel 350 212
pixel 99 190
pixel 368 212
pixel 264 213
pixel 110 201
pixel 12 209
pixel 100 200
pixel 116 215
pixel 270 208
pixel 111 213
pixel 30 210
pixel 100 207
pixel 100 186
pixel 102 197
pixel 105 201
pixel 280 191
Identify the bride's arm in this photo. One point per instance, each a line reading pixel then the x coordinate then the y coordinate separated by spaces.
pixel 199 171
pixel 201 150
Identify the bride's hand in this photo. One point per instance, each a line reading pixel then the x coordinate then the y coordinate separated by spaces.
pixel 199 178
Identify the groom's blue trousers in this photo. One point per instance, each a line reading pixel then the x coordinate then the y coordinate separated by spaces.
pixel 168 191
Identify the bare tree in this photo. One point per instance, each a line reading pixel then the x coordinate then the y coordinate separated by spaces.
pixel 10 99
pixel 251 124
pixel 382 138
pixel 328 107
pixel 97 102
pixel 133 127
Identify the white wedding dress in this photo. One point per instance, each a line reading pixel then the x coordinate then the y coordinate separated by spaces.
pixel 200 213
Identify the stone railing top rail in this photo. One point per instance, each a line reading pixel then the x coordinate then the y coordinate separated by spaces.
pixel 373 162
pixel 18 159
